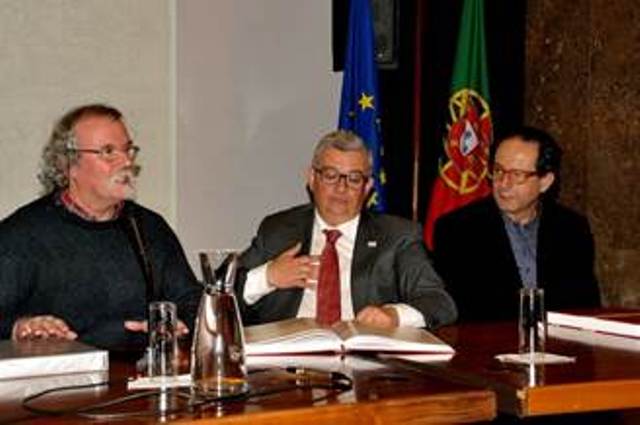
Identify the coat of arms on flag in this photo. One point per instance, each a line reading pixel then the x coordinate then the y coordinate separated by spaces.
pixel 466 160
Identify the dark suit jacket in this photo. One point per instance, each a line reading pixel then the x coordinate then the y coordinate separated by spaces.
pixel 390 265
pixel 474 257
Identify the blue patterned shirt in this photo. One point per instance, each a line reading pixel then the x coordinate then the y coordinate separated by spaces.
pixel 524 245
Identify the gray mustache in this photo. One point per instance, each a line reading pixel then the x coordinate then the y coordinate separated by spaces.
pixel 131 171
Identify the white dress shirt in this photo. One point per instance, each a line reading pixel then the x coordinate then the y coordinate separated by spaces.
pixel 257 286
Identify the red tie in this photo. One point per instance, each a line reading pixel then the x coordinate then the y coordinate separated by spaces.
pixel 328 301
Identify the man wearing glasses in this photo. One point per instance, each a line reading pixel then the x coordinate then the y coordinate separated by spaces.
pixel 519 237
pixel 70 263
pixel 331 260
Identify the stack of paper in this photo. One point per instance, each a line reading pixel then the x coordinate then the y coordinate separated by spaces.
pixel 620 331
pixel 19 388
pixel 20 359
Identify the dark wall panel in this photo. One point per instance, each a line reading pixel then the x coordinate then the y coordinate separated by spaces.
pixel 583 85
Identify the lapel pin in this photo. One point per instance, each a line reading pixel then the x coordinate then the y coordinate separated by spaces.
pixel 372 244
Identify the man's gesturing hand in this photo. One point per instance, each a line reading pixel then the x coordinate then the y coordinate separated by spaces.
pixel 289 270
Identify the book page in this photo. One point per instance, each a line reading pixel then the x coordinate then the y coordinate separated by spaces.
pixel 290 336
pixel 357 336
pixel 419 357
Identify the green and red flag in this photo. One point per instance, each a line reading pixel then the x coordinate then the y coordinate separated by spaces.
pixel 463 169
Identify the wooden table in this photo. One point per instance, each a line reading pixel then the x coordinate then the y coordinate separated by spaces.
pixel 380 394
pixel 600 379
pixel 466 389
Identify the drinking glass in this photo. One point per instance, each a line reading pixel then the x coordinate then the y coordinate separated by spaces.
pixel 163 345
pixel 532 321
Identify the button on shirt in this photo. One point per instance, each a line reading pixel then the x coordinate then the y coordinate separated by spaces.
pixel 524 245
pixel 257 286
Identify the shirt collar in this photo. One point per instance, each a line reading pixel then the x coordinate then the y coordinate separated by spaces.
pixel 72 206
pixel 348 229
pixel 530 226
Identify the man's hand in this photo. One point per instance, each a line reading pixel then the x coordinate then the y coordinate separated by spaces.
pixel 143 326
pixel 289 271
pixel 43 327
pixel 381 317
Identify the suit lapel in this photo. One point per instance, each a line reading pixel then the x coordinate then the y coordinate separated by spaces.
pixel 364 253
pixel 304 233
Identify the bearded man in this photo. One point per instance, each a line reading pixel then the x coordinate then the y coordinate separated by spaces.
pixel 84 260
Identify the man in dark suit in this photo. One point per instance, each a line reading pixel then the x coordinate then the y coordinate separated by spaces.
pixel 519 237
pixel 384 277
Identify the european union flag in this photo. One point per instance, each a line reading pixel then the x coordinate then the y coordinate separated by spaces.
pixel 359 105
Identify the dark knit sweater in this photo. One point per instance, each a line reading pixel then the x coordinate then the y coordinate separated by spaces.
pixel 87 273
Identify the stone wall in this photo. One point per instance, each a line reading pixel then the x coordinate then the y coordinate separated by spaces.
pixel 583 85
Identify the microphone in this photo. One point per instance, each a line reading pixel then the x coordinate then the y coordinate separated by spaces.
pixel 138 243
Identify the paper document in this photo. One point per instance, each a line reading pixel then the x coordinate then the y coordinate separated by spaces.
pixel 17 389
pixel 605 332
pixel 44 357
pixel 621 325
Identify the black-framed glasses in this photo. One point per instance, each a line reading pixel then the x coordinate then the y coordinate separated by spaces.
pixel 515 175
pixel 110 153
pixel 331 176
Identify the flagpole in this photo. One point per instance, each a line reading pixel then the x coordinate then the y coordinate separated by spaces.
pixel 417 109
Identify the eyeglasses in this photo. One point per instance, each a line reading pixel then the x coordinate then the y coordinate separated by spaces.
pixel 516 176
pixel 110 153
pixel 331 176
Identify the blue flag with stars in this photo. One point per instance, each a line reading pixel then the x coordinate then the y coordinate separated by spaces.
pixel 359 104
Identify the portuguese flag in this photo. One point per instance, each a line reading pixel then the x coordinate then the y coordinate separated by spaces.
pixel 463 167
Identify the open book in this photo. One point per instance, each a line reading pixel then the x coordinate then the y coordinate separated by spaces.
pixel 616 330
pixel 301 336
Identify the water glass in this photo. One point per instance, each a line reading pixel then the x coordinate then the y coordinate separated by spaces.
pixel 532 321
pixel 163 344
